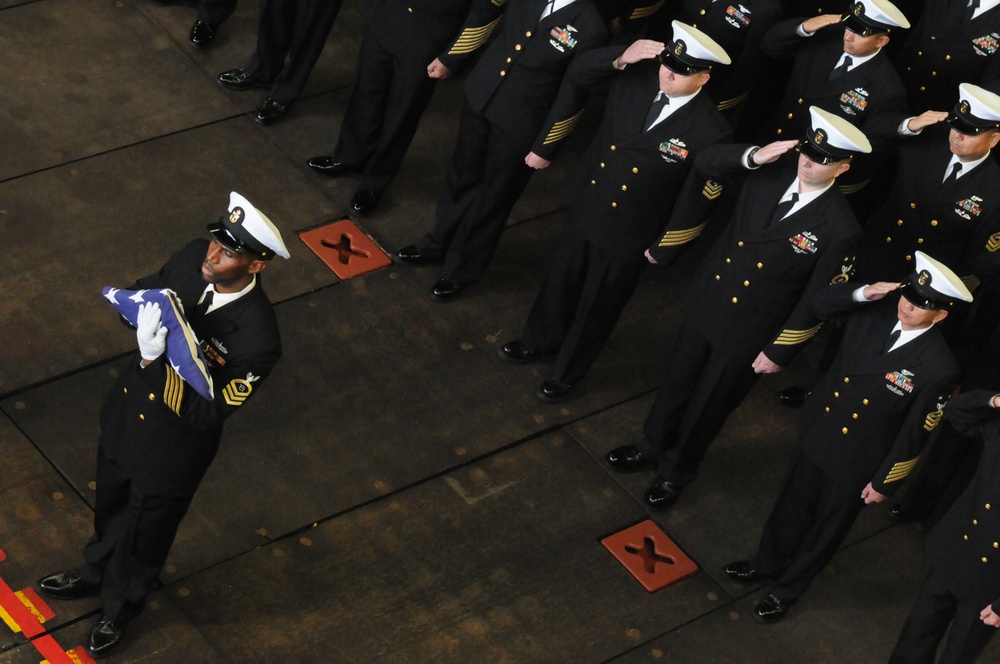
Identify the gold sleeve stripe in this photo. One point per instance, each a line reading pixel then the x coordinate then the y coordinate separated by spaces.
pixel 993 243
pixel 901 470
pixel 173 391
pixel 643 12
pixel 792 337
pixel 561 128
pixel 473 38
pixel 712 190
pixel 675 238
pixel 848 189
pixel 729 103
pixel 932 420
pixel 971 282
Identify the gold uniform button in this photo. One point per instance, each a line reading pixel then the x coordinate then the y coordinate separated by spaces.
pixel 909 257
pixel 827 409
pixel 613 204
pixel 503 73
pixel 921 52
pixel 923 88
pixel 717 277
pixel 888 239
pixel 602 164
pixel 735 300
pixel 141 416
pixel 760 266
pixel 624 187
pixel 975 522
pixel 125 390
pixel 779 132
pixel 729 260
pixel 613 148
pixel 836 395
pixel 517 47
pixel 987 505
pixel 844 431
pixel 920 240
pixel 854 415
pixel 528 33
pixel 508 59
pixel 984 559
pixel 996 545
pixel 933 37
pixel 746 284
pixel 635 170
pixel 965 537
pixel 593 182
pixel 152 397
pixel 934 222
pixel 864 401
pixel 702 12
pixel 800 100
pixel 409 9
pixel 847 379
pixel 899 222
pixel 791 115
pixel 740 243
pixel 913 205
pixel 933 73
pixel 947 57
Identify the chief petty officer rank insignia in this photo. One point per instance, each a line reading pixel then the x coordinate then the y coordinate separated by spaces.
pixel 239 389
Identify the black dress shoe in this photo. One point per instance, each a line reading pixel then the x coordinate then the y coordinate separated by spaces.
pixel 627 459
pixel 66 585
pixel 269 112
pixel 412 256
pixel 552 391
pixel 202 34
pixel 329 166
pixel 661 494
pixel 770 610
pixel 106 636
pixel 445 291
pixel 240 79
pixel 794 396
pixel 741 571
pixel 516 352
pixel 365 200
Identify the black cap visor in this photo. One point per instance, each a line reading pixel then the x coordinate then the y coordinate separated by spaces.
pixel 962 125
pixel 678 66
pixel 226 238
pixel 813 153
pixel 859 27
pixel 922 297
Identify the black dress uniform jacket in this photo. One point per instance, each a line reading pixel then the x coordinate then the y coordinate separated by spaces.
pixel 515 83
pixel 869 96
pixel 868 418
pixel 957 223
pixel 943 50
pixel 964 551
pixel 628 179
pixel 161 432
pixel 758 277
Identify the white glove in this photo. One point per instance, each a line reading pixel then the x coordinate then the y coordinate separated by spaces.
pixel 151 335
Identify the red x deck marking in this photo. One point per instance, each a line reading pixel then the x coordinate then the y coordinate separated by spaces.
pixel 650 556
pixel 345 249
pixel 30 624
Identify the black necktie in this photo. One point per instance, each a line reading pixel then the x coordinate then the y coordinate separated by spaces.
pixel 783 207
pixel 842 68
pixel 654 110
pixel 202 307
pixel 953 176
pixel 890 341
pixel 971 9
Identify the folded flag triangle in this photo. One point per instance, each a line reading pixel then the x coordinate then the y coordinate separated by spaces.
pixel 183 351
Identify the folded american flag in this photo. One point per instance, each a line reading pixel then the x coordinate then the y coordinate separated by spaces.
pixel 183 351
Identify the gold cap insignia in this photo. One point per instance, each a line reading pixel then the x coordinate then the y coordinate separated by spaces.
pixel 963 107
pixel 924 277
pixel 859 9
pixel 236 216
pixel 679 47
pixel 819 137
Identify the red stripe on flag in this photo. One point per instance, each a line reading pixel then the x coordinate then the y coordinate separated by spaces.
pixel 30 626
pixel 39 603
pixel 51 650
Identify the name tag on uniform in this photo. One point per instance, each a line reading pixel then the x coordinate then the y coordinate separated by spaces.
pixel 562 38
pixel 899 382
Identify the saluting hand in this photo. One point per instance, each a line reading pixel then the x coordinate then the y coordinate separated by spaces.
pixel 815 23
pixel 879 290
pixel 641 49
pixel 926 119
pixel 772 151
